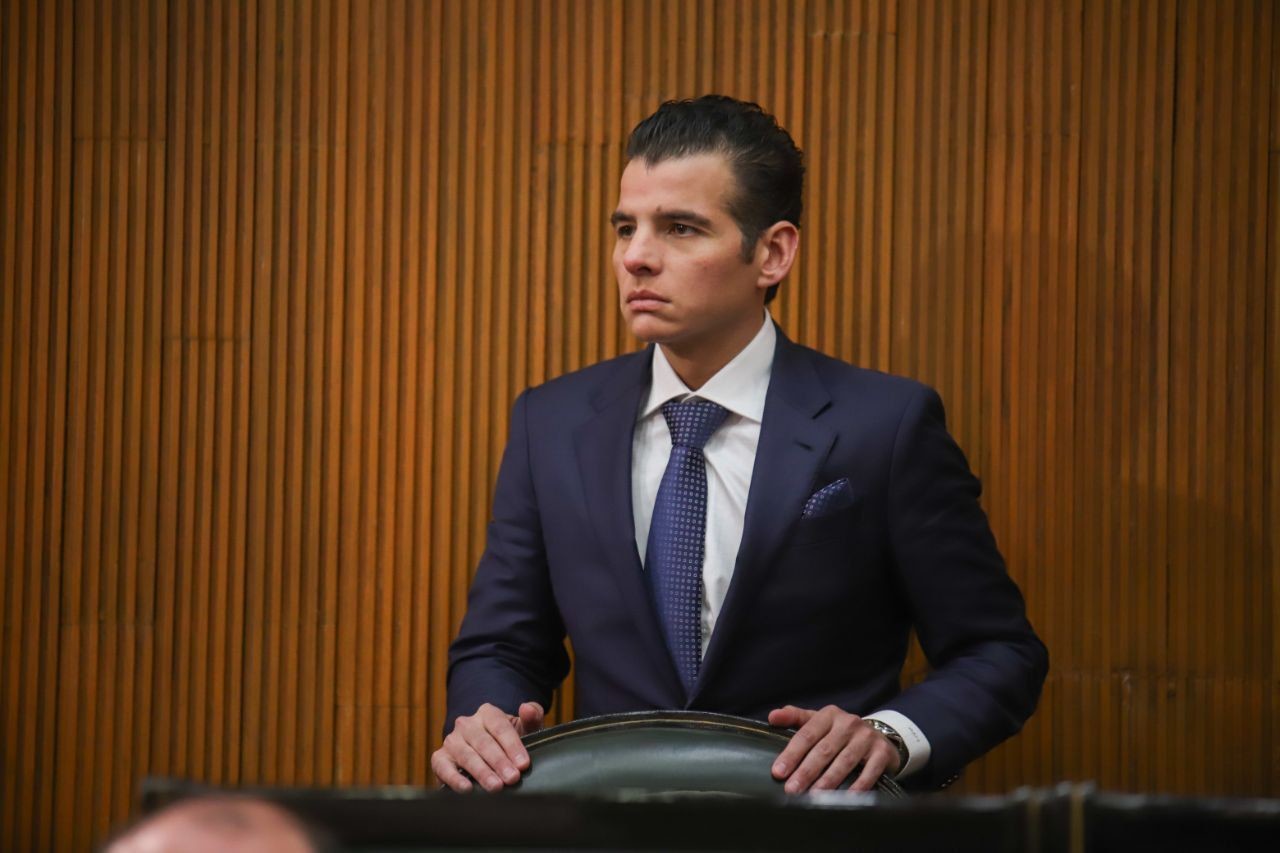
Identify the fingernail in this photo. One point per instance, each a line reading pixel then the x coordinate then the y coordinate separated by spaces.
pixel 511 775
pixel 493 783
pixel 779 767
pixel 523 758
pixel 793 787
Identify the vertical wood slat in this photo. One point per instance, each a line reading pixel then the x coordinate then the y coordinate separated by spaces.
pixel 35 169
pixel 1271 411
pixel 273 273
pixel 11 601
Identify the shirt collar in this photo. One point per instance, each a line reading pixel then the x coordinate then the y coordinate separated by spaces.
pixel 740 386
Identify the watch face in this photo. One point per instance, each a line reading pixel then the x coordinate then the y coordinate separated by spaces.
pixel 894 738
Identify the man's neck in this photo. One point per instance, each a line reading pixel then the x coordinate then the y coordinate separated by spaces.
pixel 696 365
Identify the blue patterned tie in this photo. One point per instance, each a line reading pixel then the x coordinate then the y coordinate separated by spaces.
pixel 673 558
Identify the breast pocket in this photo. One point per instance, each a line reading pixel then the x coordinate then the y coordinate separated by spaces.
pixel 826 527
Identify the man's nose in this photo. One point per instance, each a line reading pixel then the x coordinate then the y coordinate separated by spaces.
pixel 641 256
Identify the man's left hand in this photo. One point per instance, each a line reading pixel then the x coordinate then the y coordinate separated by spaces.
pixel 828 745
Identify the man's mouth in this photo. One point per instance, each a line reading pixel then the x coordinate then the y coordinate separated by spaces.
pixel 644 301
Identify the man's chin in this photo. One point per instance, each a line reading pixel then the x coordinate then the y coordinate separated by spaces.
pixel 650 330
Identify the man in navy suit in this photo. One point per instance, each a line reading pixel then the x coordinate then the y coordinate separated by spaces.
pixel 728 521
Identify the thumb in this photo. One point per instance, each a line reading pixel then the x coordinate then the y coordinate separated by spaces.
pixel 531 716
pixel 789 717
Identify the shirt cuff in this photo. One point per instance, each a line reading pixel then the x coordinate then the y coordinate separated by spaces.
pixel 917 744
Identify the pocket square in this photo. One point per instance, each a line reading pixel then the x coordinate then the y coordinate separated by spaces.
pixel 830 498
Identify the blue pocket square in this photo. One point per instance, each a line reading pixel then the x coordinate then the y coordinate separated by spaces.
pixel 830 498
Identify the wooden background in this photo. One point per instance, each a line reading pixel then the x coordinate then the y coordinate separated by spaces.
pixel 274 271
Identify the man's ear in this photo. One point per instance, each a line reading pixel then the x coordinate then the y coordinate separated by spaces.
pixel 776 251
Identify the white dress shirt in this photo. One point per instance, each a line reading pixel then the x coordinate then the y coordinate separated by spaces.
pixel 740 386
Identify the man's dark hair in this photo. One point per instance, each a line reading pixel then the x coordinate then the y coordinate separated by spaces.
pixel 767 164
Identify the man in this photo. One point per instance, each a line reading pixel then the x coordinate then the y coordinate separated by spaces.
pixel 771 559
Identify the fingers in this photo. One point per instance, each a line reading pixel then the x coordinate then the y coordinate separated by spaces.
pixel 847 759
pixel 832 731
pixel 478 755
pixel 877 762
pixel 803 742
pixel 460 756
pixel 485 745
pixel 447 771
pixel 829 745
pixel 866 748
pixel 507 737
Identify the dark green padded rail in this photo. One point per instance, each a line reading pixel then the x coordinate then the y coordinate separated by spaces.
pixel 660 754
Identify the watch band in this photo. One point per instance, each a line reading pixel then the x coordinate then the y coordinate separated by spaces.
pixel 891 734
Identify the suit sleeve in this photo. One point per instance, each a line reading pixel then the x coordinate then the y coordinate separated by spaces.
pixel 510 648
pixel 988 666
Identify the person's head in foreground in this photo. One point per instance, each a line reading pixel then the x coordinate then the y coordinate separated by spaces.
pixel 217 823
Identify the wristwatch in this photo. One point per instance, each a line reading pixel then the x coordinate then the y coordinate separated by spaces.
pixel 894 738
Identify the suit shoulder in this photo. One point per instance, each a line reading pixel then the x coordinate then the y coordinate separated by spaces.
pixel 844 379
pixel 580 385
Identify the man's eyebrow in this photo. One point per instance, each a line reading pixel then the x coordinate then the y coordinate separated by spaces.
pixel 686 216
pixel 618 217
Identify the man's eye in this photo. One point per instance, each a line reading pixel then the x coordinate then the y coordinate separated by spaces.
pixel 682 230
pixel 624 231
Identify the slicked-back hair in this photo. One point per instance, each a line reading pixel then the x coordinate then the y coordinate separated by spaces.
pixel 767 165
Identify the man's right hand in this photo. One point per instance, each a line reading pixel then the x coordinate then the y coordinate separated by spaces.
pixel 487 745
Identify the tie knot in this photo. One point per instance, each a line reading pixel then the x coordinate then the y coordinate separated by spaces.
pixel 693 421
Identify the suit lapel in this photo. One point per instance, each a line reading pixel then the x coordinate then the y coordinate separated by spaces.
pixel 603 445
pixel 794 443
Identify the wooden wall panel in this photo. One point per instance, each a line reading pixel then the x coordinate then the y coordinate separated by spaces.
pixel 1271 417
pixel 35 185
pixel 1218 297
pixel 1123 454
pixel 1022 380
pixel 274 271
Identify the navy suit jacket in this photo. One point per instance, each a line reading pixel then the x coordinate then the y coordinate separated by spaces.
pixel 819 609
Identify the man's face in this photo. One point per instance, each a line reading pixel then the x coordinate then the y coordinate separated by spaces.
pixel 678 257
